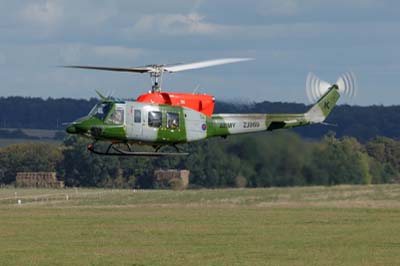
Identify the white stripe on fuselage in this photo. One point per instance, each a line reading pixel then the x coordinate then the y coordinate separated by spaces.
pixel 242 123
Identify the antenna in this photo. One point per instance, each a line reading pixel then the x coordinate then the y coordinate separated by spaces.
pixel 196 89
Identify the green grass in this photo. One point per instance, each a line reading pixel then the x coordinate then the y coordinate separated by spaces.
pixel 8 142
pixel 43 135
pixel 40 133
pixel 344 225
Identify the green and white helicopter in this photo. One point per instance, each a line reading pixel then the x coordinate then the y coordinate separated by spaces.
pixel 160 119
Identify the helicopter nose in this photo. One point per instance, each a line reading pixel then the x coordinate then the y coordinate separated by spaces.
pixel 71 129
pixel 76 128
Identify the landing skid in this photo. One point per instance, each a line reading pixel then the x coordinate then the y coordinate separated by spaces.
pixel 114 151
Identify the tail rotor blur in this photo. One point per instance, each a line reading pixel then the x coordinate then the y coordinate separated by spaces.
pixel 347 84
pixel 315 87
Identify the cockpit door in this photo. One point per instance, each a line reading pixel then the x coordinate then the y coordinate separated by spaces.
pixel 135 122
pixel 117 116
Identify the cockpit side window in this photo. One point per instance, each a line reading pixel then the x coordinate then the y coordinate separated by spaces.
pixel 155 119
pixel 117 116
pixel 137 116
pixel 172 120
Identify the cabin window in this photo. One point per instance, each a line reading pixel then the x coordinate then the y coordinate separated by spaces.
pixel 117 116
pixel 138 116
pixel 155 119
pixel 172 120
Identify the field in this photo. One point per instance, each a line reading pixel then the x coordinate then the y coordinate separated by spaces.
pixel 8 142
pixel 43 135
pixel 344 225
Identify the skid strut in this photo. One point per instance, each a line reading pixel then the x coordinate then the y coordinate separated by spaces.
pixel 114 151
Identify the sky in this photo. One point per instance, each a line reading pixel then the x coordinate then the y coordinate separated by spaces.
pixel 287 38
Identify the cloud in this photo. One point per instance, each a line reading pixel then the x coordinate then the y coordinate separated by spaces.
pixel 70 53
pixel 83 53
pixel 315 7
pixel 175 24
pixel 279 7
pixel 2 59
pixel 45 13
pixel 117 51
pixel 45 56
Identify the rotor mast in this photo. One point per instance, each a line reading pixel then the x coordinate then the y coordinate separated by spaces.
pixel 156 78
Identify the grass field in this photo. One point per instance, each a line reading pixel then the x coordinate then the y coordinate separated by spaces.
pixel 344 225
pixel 43 135
pixel 8 142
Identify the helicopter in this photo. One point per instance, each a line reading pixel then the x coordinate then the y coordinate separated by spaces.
pixel 160 119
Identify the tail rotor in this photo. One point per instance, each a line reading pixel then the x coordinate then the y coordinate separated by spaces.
pixel 315 87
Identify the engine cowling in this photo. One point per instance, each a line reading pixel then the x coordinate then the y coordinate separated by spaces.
pixel 203 103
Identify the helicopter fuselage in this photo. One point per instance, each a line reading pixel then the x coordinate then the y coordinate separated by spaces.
pixel 161 124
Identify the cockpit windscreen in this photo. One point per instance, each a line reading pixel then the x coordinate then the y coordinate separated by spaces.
pixel 100 110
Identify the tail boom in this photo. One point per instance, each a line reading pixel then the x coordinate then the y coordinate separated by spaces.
pixel 232 124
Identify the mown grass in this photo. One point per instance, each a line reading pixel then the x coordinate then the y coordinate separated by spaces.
pixel 345 225
pixel 4 142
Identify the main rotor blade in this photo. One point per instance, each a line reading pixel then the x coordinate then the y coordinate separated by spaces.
pixel 120 69
pixel 203 64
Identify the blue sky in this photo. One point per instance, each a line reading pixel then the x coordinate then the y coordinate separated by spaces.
pixel 287 38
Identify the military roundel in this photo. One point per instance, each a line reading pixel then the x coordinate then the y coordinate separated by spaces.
pixel 204 127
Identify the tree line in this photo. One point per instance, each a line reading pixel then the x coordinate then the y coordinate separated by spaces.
pixel 281 158
pixel 363 123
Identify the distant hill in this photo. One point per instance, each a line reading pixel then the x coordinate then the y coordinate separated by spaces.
pixel 38 113
pixel 361 122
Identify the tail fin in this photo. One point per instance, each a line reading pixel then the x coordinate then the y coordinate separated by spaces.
pixel 324 106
